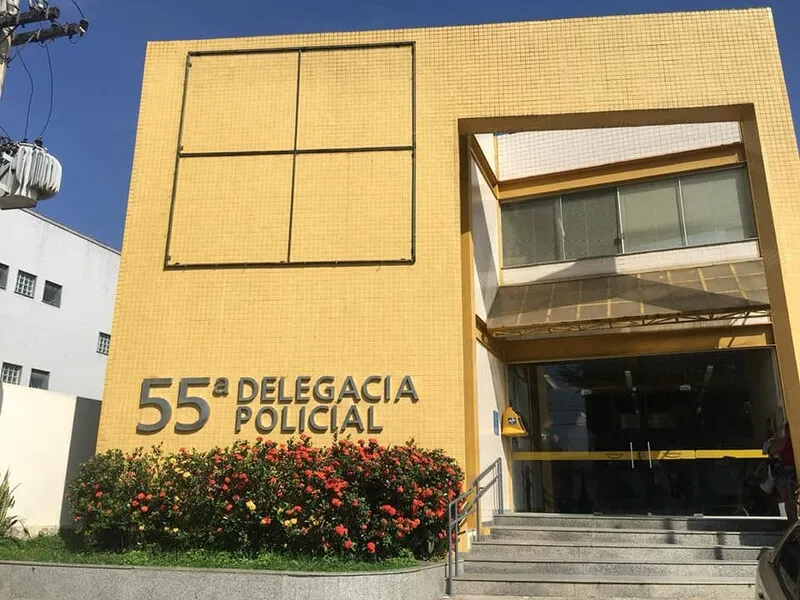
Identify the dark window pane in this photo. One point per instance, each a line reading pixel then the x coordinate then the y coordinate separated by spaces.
pixel 650 216
pixel 39 379
pixel 3 276
pixel 717 207
pixel 529 233
pixel 52 293
pixel 590 223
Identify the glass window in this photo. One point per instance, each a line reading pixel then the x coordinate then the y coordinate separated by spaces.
pixel 717 207
pixel 698 209
pixel 52 293
pixel 3 276
pixel 10 373
pixel 39 379
pixel 26 284
pixel 103 343
pixel 590 223
pixel 529 233
pixel 650 216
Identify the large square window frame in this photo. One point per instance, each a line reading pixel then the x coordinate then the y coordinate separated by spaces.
pixel 294 152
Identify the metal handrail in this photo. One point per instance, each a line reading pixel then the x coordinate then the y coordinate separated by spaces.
pixel 471 499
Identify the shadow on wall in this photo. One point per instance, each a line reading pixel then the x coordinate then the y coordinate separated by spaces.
pixel 82 445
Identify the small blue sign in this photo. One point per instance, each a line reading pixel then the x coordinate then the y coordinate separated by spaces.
pixel 496 416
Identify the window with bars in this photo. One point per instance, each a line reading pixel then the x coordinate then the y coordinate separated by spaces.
pixel 697 209
pixel 103 343
pixel 10 373
pixel 26 284
pixel 39 379
pixel 52 293
pixel 3 276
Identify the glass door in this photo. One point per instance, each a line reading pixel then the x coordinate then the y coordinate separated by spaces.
pixel 673 434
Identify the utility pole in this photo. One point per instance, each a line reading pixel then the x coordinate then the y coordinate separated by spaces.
pixel 28 172
pixel 11 17
pixel 7 7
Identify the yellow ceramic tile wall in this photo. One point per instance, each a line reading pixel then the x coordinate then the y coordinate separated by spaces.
pixel 392 319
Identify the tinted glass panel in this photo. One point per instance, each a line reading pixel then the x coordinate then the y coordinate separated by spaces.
pixel 590 224
pixel 650 216
pixel 717 207
pixel 529 233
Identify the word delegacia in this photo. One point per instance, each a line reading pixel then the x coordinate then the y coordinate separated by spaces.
pixel 326 392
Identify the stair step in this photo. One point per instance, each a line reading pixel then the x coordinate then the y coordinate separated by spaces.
pixel 504 564
pixel 628 586
pixel 635 537
pixel 509 597
pixel 699 523
pixel 559 550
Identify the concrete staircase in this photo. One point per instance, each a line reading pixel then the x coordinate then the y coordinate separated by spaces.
pixel 536 556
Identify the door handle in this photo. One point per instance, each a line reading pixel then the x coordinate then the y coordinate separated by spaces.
pixel 633 465
pixel 649 454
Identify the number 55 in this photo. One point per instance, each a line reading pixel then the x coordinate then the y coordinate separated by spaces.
pixel 165 410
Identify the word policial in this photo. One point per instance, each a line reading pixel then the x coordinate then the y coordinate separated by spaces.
pixel 326 393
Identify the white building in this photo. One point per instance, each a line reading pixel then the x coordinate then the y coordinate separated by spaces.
pixel 57 291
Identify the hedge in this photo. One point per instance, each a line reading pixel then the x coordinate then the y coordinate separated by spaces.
pixel 359 500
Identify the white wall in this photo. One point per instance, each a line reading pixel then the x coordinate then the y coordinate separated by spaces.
pixel 485 240
pixel 542 152
pixel 486 144
pixel 491 374
pixel 44 436
pixel 61 340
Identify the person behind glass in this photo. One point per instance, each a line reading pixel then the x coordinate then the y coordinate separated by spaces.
pixel 786 481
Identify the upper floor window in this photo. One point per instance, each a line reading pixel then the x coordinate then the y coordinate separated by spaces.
pixel 3 276
pixel 26 284
pixel 52 293
pixel 39 379
pixel 698 209
pixel 103 343
pixel 10 373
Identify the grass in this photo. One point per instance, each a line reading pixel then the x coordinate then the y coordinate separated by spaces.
pixel 63 549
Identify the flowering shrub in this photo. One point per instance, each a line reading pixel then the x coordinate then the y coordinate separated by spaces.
pixel 348 499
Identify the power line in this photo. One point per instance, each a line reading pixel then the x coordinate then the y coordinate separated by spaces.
pixel 52 91
pixel 30 99
pixel 83 16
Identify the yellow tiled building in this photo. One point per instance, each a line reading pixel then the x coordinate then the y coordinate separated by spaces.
pixel 306 209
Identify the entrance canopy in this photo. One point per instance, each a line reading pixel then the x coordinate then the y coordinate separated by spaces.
pixel 720 292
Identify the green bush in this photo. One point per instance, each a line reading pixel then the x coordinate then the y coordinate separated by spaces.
pixel 359 500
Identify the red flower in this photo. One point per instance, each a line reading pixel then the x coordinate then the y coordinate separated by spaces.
pixel 228 507
pixel 236 497
pixel 336 503
pixel 355 502
pixel 348 545
pixel 145 508
pixel 400 489
pixel 140 496
pixel 162 494
pixel 391 510
pixel 99 494
pixel 148 497
pixel 371 547
pixel 135 503
pixel 219 529
pixel 174 507
pixel 340 530
pixel 363 527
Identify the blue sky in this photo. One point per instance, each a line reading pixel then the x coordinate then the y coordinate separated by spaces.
pixel 97 81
